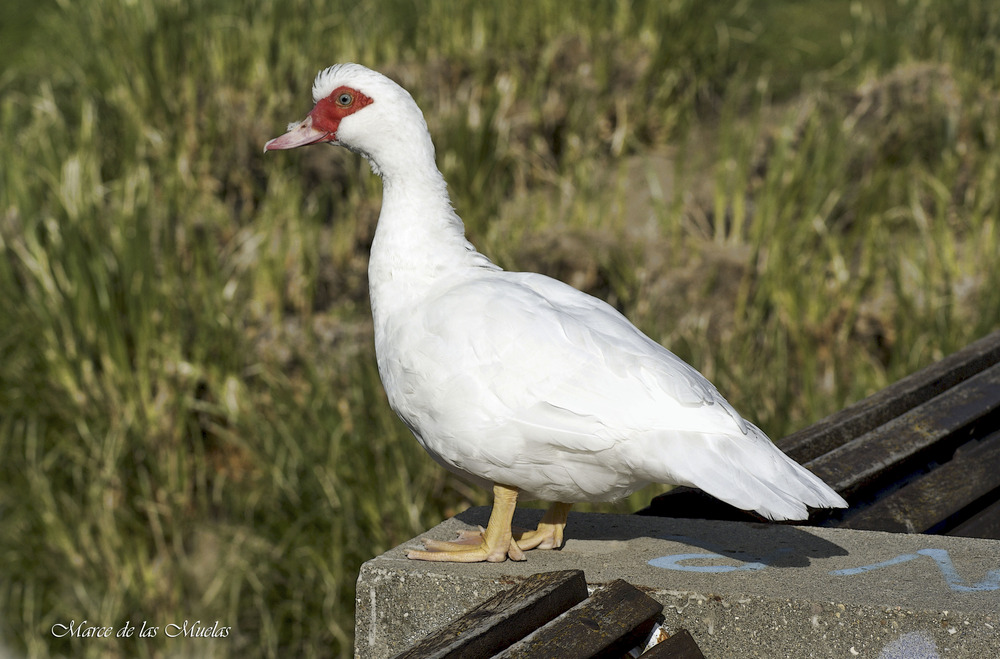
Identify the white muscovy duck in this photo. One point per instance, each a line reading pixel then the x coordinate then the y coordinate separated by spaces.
pixel 514 379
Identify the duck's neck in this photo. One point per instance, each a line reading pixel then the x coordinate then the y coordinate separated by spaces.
pixel 419 243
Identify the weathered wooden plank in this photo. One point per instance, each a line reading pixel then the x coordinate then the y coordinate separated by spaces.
pixel 608 624
pixel 680 645
pixel 504 618
pixel 891 402
pixel 984 524
pixel 919 506
pixel 892 446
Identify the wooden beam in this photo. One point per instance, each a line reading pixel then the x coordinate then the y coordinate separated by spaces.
pixel 680 645
pixel 899 444
pixel 504 618
pixel 919 506
pixel 891 402
pixel 611 622
pixel 983 524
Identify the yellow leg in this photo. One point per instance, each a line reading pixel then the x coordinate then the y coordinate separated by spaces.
pixel 549 534
pixel 496 545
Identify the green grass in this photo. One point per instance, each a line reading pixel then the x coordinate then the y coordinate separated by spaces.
pixel 799 198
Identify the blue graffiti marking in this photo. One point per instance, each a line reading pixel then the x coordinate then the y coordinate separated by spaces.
pixel 673 561
pixel 941 558
pixel 902 558
pixel 955 582
pixel 944 563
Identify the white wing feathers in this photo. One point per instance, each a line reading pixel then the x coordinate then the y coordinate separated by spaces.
pixel 560 395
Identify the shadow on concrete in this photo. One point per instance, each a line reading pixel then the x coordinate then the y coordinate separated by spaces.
pixel 766 544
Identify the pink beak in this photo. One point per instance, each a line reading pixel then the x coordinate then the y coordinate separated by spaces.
pixel 299 134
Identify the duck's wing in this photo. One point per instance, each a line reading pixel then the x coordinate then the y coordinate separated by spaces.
pixel 575 382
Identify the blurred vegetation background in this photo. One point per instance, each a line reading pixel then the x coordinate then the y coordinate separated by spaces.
pixel 800 198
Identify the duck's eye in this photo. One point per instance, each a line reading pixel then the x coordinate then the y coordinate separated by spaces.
pixel 345 99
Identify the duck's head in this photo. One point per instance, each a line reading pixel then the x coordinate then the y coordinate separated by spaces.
pixel 364 111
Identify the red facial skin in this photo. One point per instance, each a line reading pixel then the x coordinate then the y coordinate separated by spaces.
pixel 322 123
pixel 343 101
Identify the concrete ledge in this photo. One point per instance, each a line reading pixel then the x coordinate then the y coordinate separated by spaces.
pixel 741 589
